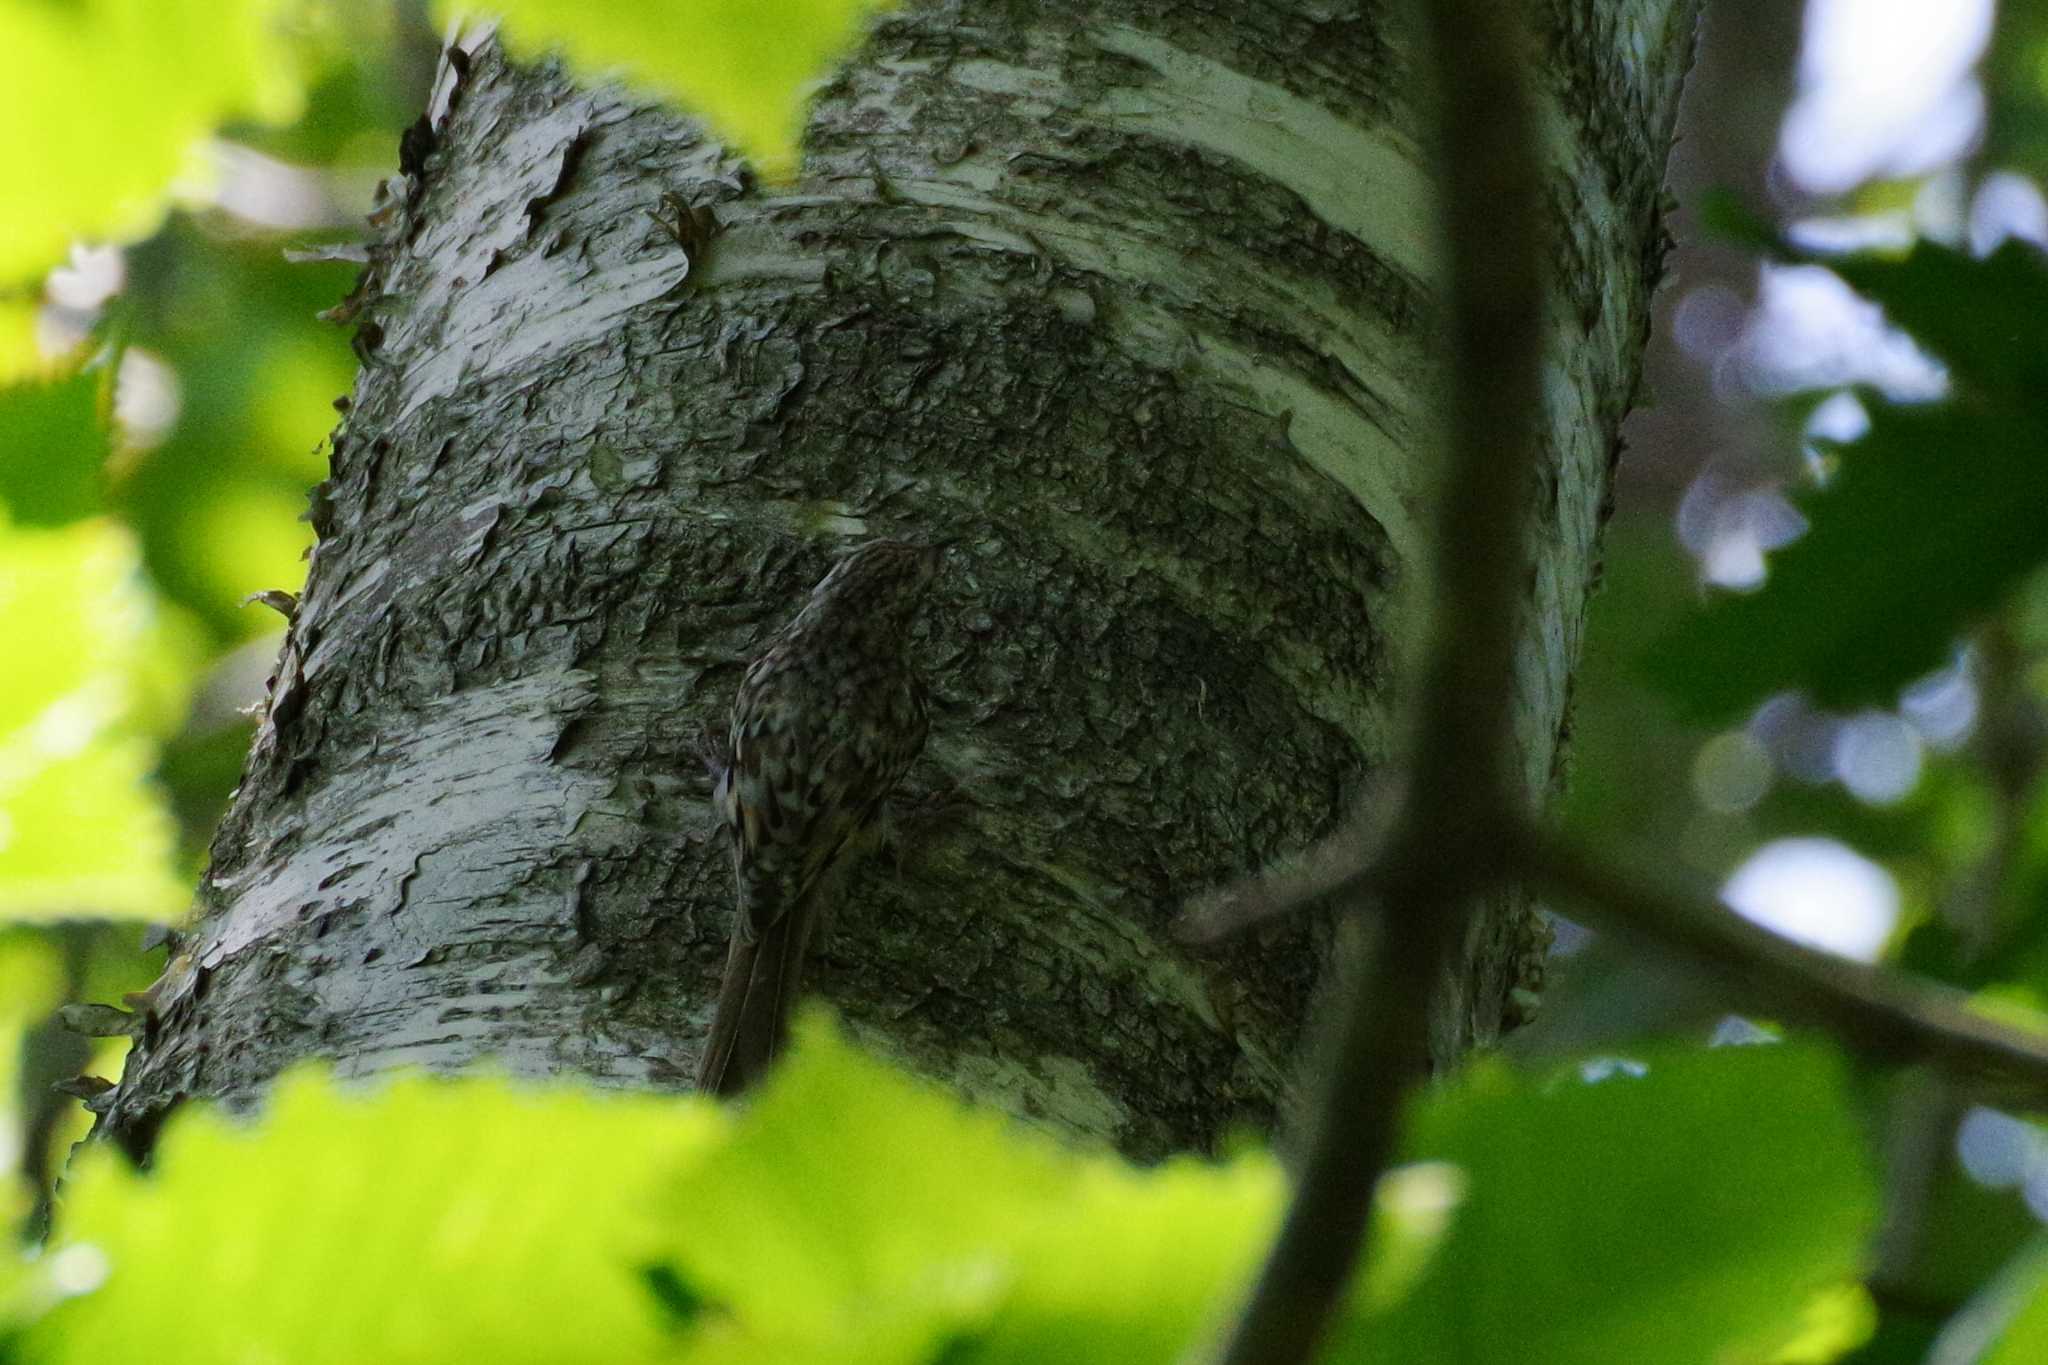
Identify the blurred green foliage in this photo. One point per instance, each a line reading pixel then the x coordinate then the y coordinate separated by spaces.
pixel 745 67
pixel 1926 524
pixel 217 503
pixel 76 729
pixel 156 442
pixel 119 94
pixel 432 1223
pixel 2016 79
pixel 1689 1206
pixel 56 434
pixel 127 544
pixel 853 1214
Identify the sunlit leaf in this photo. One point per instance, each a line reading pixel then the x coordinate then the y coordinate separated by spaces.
pixel 441 1221
pixel 910 1222
pixel 86 836
pixel 746 66
pixel 848 1212
pixel 433 1222
pixel 797 1225
pixel 292 388
pixel 812 1238
pixel 250 538
pixel 53 448
pixel 1137 1265
pixel 31 979
pixel 1831 1323
pixel 20 357
pixel 81 832
pixel 104 103
pixel 24 1294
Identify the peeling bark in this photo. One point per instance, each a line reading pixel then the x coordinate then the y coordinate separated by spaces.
pixel 1136 300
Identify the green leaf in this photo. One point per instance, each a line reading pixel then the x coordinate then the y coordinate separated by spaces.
pixel 24 1294
pixel 1931 520
pixel 859 1215
pixel 1933 516
pixel 31 983
pixel 104 103
pixel 53 448
pixel 21 358
pixel 1726 217
pixel 1136 1265
pixel 745 65
pixel 2016 132
pixel 885 1229
pixel 1686 1208
pixel 1988 318
pixel 2010 1314
pixel 849 1214
pixel 435 1221
pixel 80 831
pixel 1717 1203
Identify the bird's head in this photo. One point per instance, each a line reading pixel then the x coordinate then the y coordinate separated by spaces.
pixel 883 580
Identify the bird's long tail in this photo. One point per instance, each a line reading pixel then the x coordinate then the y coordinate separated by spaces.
pixel 754 1001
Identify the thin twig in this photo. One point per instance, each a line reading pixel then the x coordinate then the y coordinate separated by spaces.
pixel 1876 1011
pixel 1879 1012
pixel 1334 868
pixel 1461 759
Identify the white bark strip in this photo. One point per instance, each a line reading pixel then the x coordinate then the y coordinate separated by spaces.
pixel 1369 182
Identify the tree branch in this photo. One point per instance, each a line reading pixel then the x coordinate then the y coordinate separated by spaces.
pixel 1334 868
pixel 1873 1010
pixel 1461 761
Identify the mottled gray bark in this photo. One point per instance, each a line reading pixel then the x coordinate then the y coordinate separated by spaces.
pixel 1136 300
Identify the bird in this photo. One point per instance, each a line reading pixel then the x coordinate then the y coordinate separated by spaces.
pixel 827 721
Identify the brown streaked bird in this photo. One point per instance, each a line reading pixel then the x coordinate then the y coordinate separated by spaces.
pixel 827 721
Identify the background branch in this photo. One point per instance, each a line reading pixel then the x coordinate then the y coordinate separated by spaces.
pixel 1873 1010
pixel 1332 868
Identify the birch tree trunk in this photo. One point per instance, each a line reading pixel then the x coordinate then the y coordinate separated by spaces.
pixel 1136 300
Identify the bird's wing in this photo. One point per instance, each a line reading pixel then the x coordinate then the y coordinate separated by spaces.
pixel 792 809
